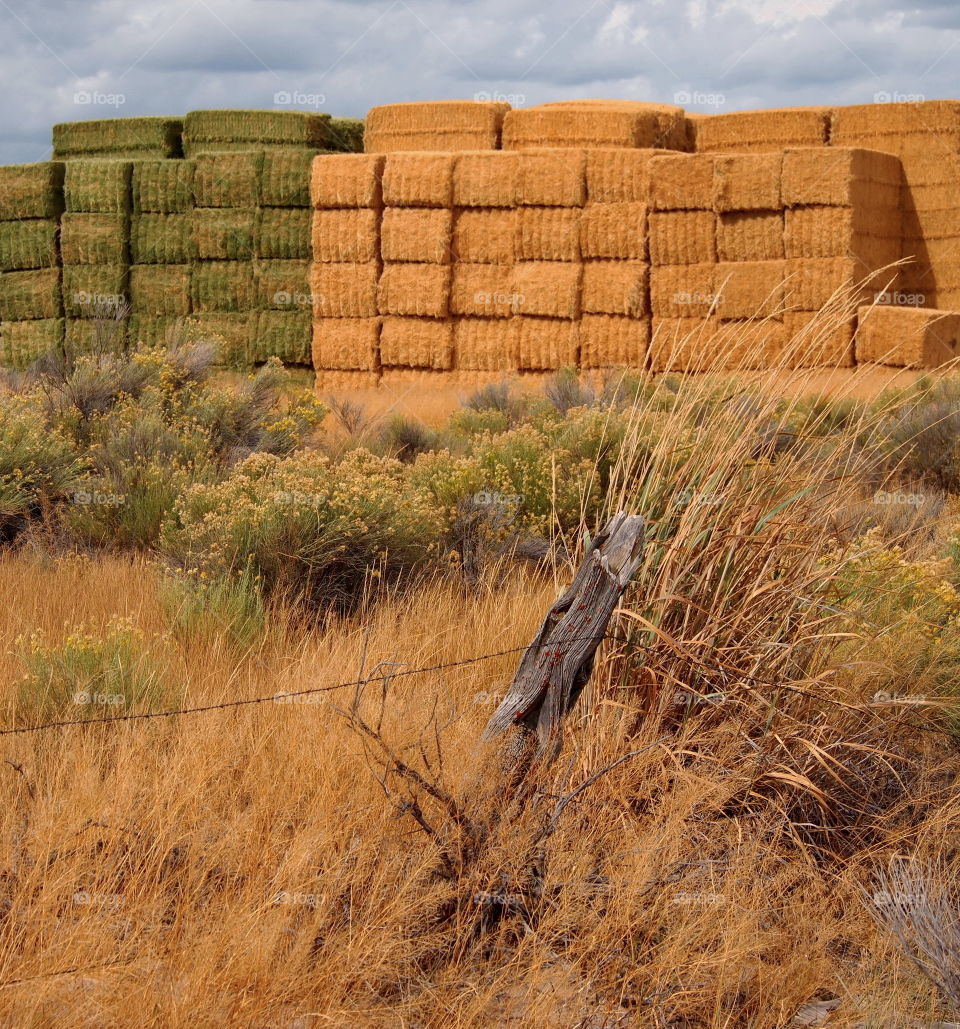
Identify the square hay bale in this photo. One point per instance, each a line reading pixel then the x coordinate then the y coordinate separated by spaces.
pixel 547 344
pixel 119 137
pixel 225 233
pixel 926 168
pixel 764 131
pixel 345 290
pixel 417 343
pixel 228 180
pixel 682 237
pixel 747 182
pixel 418 180
pixel 907 337
pixel 31 190
pixel 283 334
pixel 621 124
pixel 92 289
pixel 750 236
pixel 350 235
pixel 872 234
pixel 417 234
pixel 485 236
pixel 482 290
pixel 27 244
pixel 552 178
pixel 207 130
pixel 419 290
pixel 95 335
pixel 98 187
pixel 448 125
pixel 283 285
pixel 841 176
pixel 160 290
pixel 284 234
pixel 814 341
pixel 814 282
pixel 619 176
pixel 548 234
pixel 616 287
pixel 681 182
pixel 748 345
pixel 30 295
pixel 607 341
pixel 547 288
pixel 683 291
pixel 347 134
pixel 408 379
pixel 162 187
pixel 222 286
pixel 347 180
pixel 681 344
pixel 333 382
pixel 94 238
pixel 930 117
pixel 486 179
pixel 231 332
pixel 23 342
pixel 614 230
pixel 152 331
pixel 162 239
pixel 346 344
pixel 917 226
pixel 750 289
pixel 938 197
pixel 285 178
pixel 486 344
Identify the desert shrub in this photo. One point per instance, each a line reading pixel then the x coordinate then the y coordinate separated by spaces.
pixel 565 391
pixel 405 438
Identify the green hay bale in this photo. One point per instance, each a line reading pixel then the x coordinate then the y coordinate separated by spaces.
pixel 89 289
pixel 347 134
pixel 25 296
pixel 162 239
pixel 232 333
pixel 225 233
pixel 160 289
pixel 31 190
pixel 283 285
pixel 283 334
pixel 98 186
pixel 163 187
pixel 228 180
pixel 94 238
pixel 152 331
pixel 288 128
pixel 96 335
pixel 222 286
pixel 285 178
pixel 31 243
pixel 284 234
pixel 21 343
pixel 118 137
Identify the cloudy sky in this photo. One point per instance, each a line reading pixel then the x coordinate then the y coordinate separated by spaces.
pixel 65 60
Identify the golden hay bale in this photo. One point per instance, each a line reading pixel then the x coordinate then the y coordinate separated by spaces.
pixel 747 182
pixel 607 341
pixel 616 287
pixel 626 124
pixel 347 290
pixel 682 237
pixel 814 341
pixel 547 344
pixel 750 289
pixel 939 196
pixel 418 180
pixel 346 344
pixel 937 252
pixel 926 119
pixel 923 166
pixel 750 236
pixel 416 234
pixel 683 291
pixel 482 290
pixel 619 176
pixel 434 125
pixel 869 233
pixel 486 179
pixel 681 344
pixel 345 382
pixel 548 234
pixel 349 235
pixel 614 230
pixel 811 282
pixel 907 337
pixel 681 182
pixel 420 290
pixel 747 345
pixel 417 343
pixel 939 224
pixel 415 379
pixel 486 344
pixel 552 178
pixel 486 236
pixel 840 176
pixel 763 131
pixel 346 180
pixel 547 288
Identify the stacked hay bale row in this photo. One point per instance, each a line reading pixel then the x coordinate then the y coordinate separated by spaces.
pixel 442 125
pixel 31 304
pixel 597 124
pixel 757 132
pixel 119 139
pixel 907 337
pixel 224 131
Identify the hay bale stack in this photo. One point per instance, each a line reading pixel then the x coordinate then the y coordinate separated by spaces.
pixel 755 132
pixel 417 343
pixel 482 345
pixel 596 124
pixel 224 131
pixel 441 125
pixel 907 337
pixel 486 179
pixel 547 344
pixel 611 341
pixel 680 344
pixel 22 342
pixel 119 139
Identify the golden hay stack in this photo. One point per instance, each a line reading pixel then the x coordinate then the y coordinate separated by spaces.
pixel 750 289
pixel 345 290
pixel 924 120
pixel 553 178
pixel 681 182
pixel 345 382
pixel 750 236
pixel 434 125
pixel 747 182
pixel 619 176
pixel 681 344
pixel 682 237
pixel 482 290
pixel 814 341
pixel 417 343
pixel 418 180
pixel 416 234
pixel 840 176
pixel 763 131
pixel 486 179
pixel 603 123
pixel 346 344
pixel 486 236
pixel 907 337
pixel 486 345
pixel 616 287
pixel 547 288
pixel 811 282
pixel 547 344
pixel 346 180
pixel 349 235
pixel 872 234
pixel 608 341
pixel 683 291
pixel 548 234
pixel 614 230
pixel 417 290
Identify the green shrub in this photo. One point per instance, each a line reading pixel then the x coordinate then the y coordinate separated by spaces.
pixel 201 608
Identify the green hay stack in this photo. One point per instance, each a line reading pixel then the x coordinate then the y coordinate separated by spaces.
pixel 206 131
pixel 162 187
pixel 118 138
pixel 23 342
